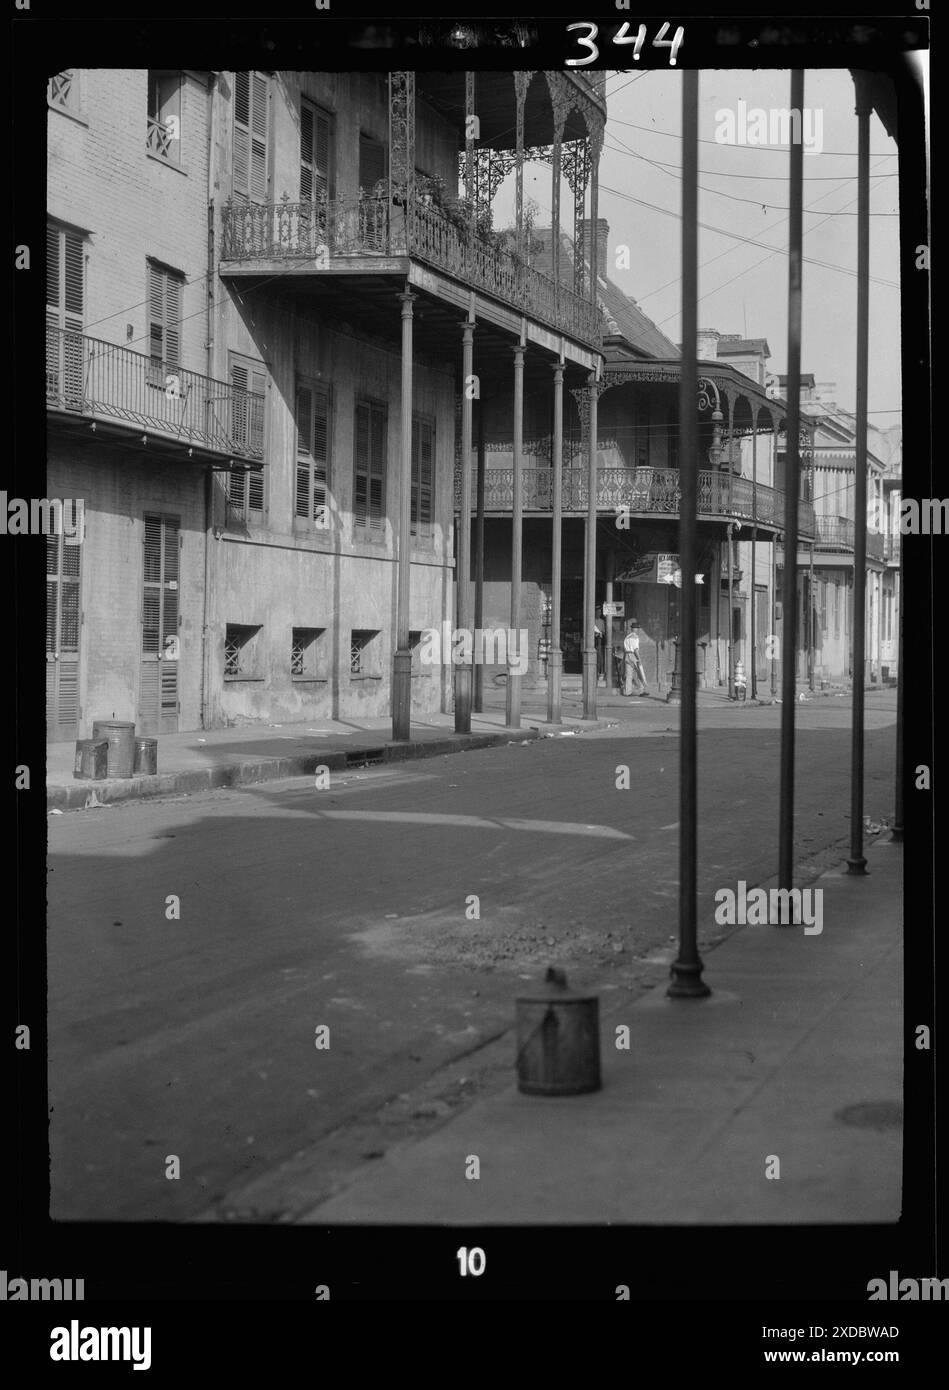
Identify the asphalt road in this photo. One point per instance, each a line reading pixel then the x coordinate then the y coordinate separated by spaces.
pixel 353 908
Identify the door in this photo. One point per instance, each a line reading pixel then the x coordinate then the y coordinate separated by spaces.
pixel 63 624
pixel 158 692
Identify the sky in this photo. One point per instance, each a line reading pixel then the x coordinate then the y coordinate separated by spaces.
pixel 744 192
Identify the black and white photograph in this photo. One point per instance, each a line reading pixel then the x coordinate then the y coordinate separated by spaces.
pixel 489 661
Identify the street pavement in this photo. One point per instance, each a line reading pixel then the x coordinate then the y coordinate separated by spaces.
pixel 194 1034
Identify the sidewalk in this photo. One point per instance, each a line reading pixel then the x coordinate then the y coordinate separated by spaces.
pixel 797 1054
pixel 202 760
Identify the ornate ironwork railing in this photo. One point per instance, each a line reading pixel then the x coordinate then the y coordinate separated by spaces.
pixel 371 226
pixel 644 491
pixel 160 138
pixel 837 533
pixel 88 377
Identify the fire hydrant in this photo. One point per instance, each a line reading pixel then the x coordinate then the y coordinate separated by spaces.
pixel 741 683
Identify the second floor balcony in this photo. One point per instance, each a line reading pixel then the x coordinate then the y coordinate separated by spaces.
pixel 644 491
pixel 98 382
pixel 837 534
pixel 370 232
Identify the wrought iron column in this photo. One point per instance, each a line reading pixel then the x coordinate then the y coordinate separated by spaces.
pixel 479 562
pixel 401 155
pixel 686 972
pixel 589 577
pixel 469 162
pixel 754 557
pixel 811 636
pixel 517 541
pixel 521 83
pixel 791 494
pixel 402 659
pixel 898 803
pixel 729 541
pixel 555 657
pixel 856 862
pixel 463 670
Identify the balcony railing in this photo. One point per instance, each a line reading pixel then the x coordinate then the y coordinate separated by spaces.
pixel 645 491
pixel 89 378
pixel 891 548
pixel 369 226
pixel 837 533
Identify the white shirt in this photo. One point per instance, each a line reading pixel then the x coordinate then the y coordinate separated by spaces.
pixel 631 642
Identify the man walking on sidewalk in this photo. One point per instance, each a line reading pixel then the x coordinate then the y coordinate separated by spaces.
pixel 632 663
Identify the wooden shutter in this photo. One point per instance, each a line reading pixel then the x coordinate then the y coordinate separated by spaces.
pixel 315 153
pixel 312 451
pixel 422 470
pixel 377 450
pixel 65 274
pixel 369 470
pixel 164 317
pixel 63 627
pixel 246 490
pixel 361 470
pixel 251 136
pixel 372 162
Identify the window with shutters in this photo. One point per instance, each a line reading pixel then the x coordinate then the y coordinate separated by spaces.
pixel 423 471
pixel 311 500
pixel 372 163
pixel 306 654
pixel 165 289
pixel 245 487
pixel 251 172
pixel 65 280
pixel 163 130
pixel 62 91
pixel 316 153
pixel 369 470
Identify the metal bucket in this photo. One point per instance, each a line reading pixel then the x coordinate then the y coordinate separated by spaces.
pixel 558 1040
pixel 146 756
pixel 121 740
pixel 92 758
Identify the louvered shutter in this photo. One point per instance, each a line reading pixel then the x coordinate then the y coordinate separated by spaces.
pixel 315 154
pixel 65 272
pixel 251 136
pixel 377 473
pixel 164 318
pixel 422 467
pixel 246 490
pixel 372 163
pixel 320 453
pixel 156 316
pixel 361 471
pixel 304 454
pixel 151 587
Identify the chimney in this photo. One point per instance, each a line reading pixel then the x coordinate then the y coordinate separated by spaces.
pixel 602 239
pixel 707 346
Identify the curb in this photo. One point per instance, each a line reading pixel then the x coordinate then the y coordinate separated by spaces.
pixel 86 795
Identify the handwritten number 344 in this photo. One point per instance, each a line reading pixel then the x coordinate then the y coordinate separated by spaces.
pixel 623 35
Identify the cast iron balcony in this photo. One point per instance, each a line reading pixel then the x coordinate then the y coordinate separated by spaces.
pixel 644 491
pixel 341 228
pixel 98 381
pixel 837 533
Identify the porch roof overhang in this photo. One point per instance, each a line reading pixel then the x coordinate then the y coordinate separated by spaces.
pixel 730 381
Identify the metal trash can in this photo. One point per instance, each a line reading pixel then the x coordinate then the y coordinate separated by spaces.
pixel 146 756
pixel 120 736
pixel 92 758
pixel 558 1040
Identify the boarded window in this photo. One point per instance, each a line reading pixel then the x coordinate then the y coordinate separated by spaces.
pixel 369 470
pixel 251 136
pixel 312 476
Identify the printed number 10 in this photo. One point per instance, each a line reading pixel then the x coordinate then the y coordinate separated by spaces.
pixel 471 1261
